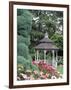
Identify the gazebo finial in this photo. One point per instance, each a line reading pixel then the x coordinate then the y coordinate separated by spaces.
pixel 46 35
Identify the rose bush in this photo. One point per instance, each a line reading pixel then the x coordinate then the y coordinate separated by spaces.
pixel 47 69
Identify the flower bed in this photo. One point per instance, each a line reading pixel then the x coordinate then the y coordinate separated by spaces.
pixel 45 71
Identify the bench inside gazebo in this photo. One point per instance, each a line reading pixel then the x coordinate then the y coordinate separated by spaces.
pixel 46 44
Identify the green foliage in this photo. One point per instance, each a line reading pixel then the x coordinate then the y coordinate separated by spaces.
pixel 20 67
pixel 49 21
pixel 58 39
pixel 24 21
pixel 41 55
pixel 19 12
pixel 36 35
pixel 46 21
pixel 22 50
pixel 21 39
pixel 60 61
pixel 23 64
pixel 23 61
pixel 34 67
pixel 60 69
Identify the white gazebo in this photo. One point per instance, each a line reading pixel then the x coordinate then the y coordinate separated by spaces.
pixel 47 45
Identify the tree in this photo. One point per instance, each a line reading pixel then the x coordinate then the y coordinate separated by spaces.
pixel 58 39
pixel 46 21
pixel 24 21
pixel 50 21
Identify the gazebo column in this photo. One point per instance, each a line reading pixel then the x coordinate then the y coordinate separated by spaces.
pixel 53 58
pixel 37 55
pixel 56 59
pixel 44 55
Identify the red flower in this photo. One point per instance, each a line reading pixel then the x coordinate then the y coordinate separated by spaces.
pixel 44 66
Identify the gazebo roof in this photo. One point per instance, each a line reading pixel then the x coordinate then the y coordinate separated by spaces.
pixel 46 40
pixel 46 44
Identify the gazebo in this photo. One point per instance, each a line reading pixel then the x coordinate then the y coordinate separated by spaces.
pixel 46 44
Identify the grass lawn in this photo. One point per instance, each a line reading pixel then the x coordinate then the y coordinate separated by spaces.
pixel 60 68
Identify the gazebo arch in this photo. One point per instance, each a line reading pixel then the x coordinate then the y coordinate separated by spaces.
pixel 47 44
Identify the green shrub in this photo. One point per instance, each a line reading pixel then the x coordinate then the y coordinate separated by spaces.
pixel 21 39
pixel 25 63
pixel 22 50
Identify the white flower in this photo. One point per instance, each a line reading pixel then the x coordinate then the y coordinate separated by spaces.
pixel 18 78
pixel 24 76
pixel 61 76
pixel 53 77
